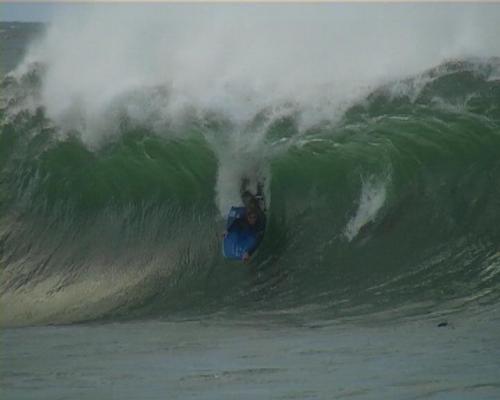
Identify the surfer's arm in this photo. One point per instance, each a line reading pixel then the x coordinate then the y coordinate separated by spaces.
pixel 262 226
pixel 250 250
pixel 259 235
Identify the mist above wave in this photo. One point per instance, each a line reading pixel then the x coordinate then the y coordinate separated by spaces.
pixel 239 59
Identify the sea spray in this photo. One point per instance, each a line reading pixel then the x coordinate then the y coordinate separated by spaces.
pixel 238 60
pixel 372 198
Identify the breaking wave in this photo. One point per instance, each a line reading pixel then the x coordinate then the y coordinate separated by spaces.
pixel 113 207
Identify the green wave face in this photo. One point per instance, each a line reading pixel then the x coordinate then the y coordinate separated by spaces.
pixel 394 207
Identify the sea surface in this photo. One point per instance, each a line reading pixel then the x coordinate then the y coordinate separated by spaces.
pixel 123 145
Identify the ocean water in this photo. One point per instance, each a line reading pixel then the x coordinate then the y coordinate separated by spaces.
pixel 255 358
pixel 124 136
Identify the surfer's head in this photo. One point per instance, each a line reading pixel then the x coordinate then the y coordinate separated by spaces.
pixel 251 217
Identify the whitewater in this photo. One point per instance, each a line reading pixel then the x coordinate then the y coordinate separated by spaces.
pixel 125 131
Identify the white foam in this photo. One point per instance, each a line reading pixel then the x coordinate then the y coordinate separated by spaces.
pixel 372 198
pixel 239 59
pixel 243 155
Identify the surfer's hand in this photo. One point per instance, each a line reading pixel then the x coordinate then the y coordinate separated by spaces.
pixel 246 257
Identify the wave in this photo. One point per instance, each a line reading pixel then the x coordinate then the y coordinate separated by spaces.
pixel 392 206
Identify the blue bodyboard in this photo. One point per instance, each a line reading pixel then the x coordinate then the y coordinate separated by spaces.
pixel 237 241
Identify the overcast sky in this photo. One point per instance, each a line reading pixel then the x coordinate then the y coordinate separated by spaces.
pixel 35 12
